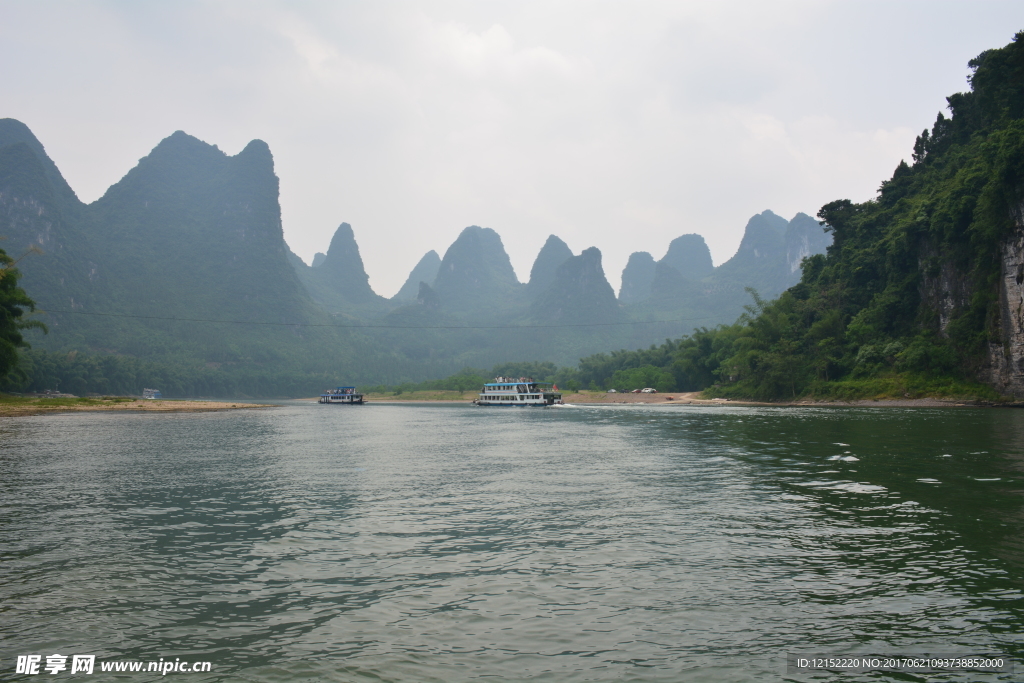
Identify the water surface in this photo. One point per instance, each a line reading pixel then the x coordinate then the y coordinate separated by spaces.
pixel 453 543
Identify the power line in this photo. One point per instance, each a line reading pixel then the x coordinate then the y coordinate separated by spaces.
pixel 376 327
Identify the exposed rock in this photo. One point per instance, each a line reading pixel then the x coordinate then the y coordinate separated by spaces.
pixel 765 260
pixel 1005 371
pixel 769 255
pixel 945 288
pixel 318 259
pixel 804 237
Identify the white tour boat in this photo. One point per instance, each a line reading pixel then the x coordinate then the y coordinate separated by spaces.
pixel 510 391
pixel 345 395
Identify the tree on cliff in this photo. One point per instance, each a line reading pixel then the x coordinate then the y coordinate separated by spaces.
pixel 909 291
pixel 13 302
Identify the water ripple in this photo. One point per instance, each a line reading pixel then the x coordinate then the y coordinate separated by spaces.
pixel 447 543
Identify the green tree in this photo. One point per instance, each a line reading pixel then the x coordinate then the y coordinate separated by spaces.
pixel 13 302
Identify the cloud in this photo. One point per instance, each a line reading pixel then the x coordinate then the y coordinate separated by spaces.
pixel 609 124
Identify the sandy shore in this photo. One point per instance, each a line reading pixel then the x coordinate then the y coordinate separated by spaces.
pixel 42 406
pixel 692 398
pixel 675 398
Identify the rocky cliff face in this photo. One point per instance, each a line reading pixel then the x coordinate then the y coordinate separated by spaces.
pixel 804 237
pixel 947 290
pixel 763 239
pixel 1005 371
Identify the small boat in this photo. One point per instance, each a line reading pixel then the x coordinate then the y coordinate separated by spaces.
pixel 151 394
pixel 346 395
pixel 522 391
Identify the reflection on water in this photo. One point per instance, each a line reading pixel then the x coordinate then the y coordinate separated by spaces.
pixel 449 543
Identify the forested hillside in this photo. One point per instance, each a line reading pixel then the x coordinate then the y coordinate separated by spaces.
pixel 922 289
pixel 179 277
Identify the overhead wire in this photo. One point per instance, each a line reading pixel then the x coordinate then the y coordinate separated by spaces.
pixel 377 327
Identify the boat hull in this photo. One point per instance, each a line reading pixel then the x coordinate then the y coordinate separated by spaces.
pixel 342 400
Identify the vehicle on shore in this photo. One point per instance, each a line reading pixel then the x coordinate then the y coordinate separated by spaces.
pixel 522 391
pixel 343 395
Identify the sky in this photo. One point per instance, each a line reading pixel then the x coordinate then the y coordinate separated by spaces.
pixel 620 125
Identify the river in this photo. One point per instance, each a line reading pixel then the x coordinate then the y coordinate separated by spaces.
pixel 453 543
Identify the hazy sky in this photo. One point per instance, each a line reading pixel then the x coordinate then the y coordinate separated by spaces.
pixel 619 124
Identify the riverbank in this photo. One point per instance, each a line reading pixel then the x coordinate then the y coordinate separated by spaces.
pixel 587 397
pixel 12 406
pixel 694 398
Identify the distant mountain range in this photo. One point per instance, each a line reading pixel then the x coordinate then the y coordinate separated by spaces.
pixel 185 259
pixel 475 280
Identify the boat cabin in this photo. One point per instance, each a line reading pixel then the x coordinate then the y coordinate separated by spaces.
pixel 347 395
pixel 521 391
